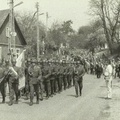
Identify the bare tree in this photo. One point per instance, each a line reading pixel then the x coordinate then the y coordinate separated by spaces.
pixel 109 12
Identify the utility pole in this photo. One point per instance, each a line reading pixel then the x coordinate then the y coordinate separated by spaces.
pixel 38 36
pixel 47 17
pixel 11 24
pixel 12 27
pixel 46 23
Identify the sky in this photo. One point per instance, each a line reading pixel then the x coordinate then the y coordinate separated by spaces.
pixel 58 10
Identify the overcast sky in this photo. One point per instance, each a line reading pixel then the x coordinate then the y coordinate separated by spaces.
pixel 59 10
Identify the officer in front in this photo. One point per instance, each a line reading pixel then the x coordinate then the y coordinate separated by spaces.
pixel 78 76
pixel 35 76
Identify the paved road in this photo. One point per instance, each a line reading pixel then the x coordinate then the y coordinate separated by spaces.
pixel 64 106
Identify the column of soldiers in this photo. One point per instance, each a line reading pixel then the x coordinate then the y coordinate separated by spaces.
pixel 47 78
pixel 52 77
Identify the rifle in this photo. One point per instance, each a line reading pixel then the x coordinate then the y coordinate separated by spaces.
pixel 3 78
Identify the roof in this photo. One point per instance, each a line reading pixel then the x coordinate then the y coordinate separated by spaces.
pixel 3 16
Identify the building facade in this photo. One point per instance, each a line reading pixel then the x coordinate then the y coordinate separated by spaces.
pixel 19 45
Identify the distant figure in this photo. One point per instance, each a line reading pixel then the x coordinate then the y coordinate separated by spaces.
pixel 99 70
pixel 108 79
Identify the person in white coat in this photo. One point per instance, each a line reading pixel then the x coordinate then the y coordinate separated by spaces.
pixel 108 76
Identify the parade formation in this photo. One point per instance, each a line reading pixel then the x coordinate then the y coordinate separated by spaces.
pixel 51 77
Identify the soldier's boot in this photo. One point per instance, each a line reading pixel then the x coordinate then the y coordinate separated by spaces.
pixel 31 100
pixel 16 102
pixel 3 101
pixel 37 98
pixel 3 96
pixel 81 89
pixel 76 93
pixel 10 103
pixel 31 103
pixel 37 101
pixel 76 89
pixel 47 94
pixel 27 97
pixel 41 97
pixel 81 92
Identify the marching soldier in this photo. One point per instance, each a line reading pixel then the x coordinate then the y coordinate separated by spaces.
pixel 70 72
pixel 35 76
pixel 57 68
pixel 3 81
pixel 67 75
pixel 64 75
pixel 60 75
pixel 52 77
pixel 78 74
pixel 46 75
pixel 55 76
pixel 40 64
pixel 6 66
pixel 27 87
pixel 13 82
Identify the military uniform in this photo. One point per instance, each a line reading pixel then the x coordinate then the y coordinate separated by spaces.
pixel 65 77
pixel 70 73
pixel 60 77
pixel 56 85
pixel 35 75
pixel 78 74
pixel 27 87
pixel 2 83
pixel 41 84
pixel 98 70
pixel 46 75
pixel 91 68
pixel 6 67
pixel 52 78
pixel 13 83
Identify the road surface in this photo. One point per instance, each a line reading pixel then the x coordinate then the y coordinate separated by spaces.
pixel 65 106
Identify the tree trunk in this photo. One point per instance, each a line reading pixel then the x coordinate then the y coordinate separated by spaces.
pixel 105 28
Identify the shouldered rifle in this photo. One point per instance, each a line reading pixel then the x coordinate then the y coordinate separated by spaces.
pixel 5 76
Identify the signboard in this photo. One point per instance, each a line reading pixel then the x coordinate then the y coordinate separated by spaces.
pixel 8 32
pixel 13 34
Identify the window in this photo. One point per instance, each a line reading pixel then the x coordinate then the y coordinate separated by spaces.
pixel 17 51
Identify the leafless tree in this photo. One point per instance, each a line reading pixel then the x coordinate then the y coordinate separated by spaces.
pixel 109 13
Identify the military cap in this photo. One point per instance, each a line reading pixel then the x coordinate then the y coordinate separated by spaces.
pixel 41 61
pixel 6 61
pixel 78 62
pixel 75 62
pixel 28 60
pixel 50 61
pixel 46 61
pixel 64 61
pixel 56 61
pixel 13 61
pixel 34 61
pixel 72 62
pixel 60 61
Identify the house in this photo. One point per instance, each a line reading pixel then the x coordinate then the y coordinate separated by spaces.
pixel 20 41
